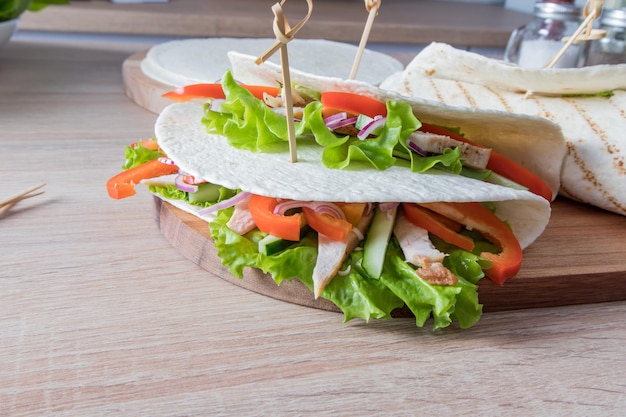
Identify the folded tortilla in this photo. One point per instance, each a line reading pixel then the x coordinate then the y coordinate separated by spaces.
pixel 594 169
pixel 184 139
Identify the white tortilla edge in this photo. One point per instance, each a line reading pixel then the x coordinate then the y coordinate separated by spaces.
pixel 440 60
pixel 515 136
pixel 182 136
pixel 204 60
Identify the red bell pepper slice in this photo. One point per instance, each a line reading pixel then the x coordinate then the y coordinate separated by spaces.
pixel 332 227
pixel 501 164
pixel 192 91
pixel 505 264
pixel 353 103
pixel 122 185
pixel 358 104
pixel 262 211
pixel 430 220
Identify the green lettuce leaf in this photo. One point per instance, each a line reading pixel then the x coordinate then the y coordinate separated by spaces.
pixel 356 294
pixel 138 155
pixel 249 124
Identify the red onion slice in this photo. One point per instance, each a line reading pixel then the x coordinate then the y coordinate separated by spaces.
pixel 415 148
pixel 341 123
pixel 335 117
pixel 319 207
pixel 165 160
pixel 225 204
pixel 388 206
pixel 183 186
pixel 216 105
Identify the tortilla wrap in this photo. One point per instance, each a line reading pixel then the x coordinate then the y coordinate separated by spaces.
pixel 594 169
pixel 191 61
pixel 509 134
pixel 184 139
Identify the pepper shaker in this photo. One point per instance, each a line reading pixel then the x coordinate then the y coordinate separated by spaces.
pixel 612 48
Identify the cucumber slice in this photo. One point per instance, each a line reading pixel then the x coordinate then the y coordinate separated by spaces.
pixel 271 244
pixel 376 241
pixel 362 121
pixel 504 181
pixel 207 192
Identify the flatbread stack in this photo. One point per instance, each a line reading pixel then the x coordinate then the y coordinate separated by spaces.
pixel 204 60
pixel 589 104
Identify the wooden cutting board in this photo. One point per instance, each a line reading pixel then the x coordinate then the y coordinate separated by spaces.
pixel 580 258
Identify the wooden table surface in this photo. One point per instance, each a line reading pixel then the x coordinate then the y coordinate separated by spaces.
pixel 413 22
pixel 99 315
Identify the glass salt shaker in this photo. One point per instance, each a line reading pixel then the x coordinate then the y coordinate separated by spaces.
pixel 535 44
pixel 612 48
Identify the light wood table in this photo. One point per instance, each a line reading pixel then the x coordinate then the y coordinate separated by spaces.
pixel 99 315
pixel 414 22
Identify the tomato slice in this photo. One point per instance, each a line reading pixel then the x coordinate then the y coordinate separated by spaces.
pixel 123 184
pixel 262 211
pixel 215 90
pixel 353 103
pixel 501 164
pixel 329 226
pixel 150 144
pixel 505 264
pixel 429 220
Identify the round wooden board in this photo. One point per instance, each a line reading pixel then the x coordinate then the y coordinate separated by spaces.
pixel 565 266
pixel 191 236
pixel 579 258
pixel 143 90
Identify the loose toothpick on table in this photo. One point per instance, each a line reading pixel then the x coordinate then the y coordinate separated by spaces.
pixel 284 34
pixel 14 199
pixel 372 6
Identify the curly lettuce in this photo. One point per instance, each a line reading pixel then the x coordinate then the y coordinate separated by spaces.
pixel 355 293
pixel 249 124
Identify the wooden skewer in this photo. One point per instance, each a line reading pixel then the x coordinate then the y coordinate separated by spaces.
pixel 593 10
pixel 284 34
pixel 372 7
pixel 284 62
pixel 287 35
pixel 22 195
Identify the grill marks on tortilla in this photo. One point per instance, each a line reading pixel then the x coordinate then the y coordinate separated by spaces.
pixel 468 96
pixel 619 164
pixel 501 99
pixel 611 148
pixel 436 91
pixel 589 176
pixel 456 92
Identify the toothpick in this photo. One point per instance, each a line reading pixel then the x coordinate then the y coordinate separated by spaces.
pixel 28 193
pixel 372 6
pixel 591 11
pixel 284 34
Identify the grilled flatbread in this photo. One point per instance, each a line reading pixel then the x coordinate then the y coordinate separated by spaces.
pixel 593 123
